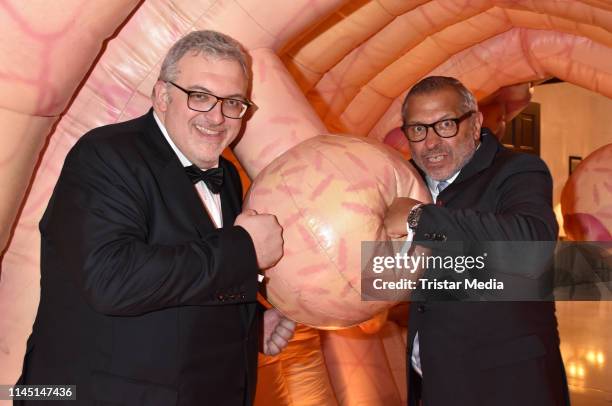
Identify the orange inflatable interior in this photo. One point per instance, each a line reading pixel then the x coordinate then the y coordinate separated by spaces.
pixel 319 67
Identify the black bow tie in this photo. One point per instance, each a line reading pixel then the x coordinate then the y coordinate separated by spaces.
pixel 212 177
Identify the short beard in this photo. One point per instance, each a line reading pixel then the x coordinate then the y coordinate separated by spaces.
pixel 454 170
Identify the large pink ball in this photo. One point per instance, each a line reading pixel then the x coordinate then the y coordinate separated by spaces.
pixel 586 200
pixel 329 193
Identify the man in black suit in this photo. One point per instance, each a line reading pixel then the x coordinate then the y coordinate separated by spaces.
pixel 477 353
pixel 148 268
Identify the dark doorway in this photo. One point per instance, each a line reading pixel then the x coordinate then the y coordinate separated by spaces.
pixel 523 132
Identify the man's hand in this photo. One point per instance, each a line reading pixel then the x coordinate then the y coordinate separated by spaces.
pixel 277 332
pixel 267 236
pixel 397 216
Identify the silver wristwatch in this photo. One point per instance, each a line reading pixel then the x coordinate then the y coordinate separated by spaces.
pixel 414 216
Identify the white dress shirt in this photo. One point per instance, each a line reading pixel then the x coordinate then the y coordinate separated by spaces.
pixel 415 358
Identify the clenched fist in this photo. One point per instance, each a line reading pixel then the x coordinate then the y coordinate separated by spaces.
pixel 267 236
pixel 397 216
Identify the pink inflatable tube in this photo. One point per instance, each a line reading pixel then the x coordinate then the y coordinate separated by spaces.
pixel 319 67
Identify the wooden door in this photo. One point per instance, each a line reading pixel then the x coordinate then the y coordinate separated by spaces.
pixel 523 132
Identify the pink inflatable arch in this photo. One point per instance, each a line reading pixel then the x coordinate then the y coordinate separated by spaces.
pixel 336 66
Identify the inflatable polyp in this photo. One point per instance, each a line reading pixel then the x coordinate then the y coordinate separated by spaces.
pixel 586 200
pixel 397 140
pixel 329 194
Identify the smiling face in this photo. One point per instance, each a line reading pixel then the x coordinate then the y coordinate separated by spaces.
pixel 201 137
pixel 438 157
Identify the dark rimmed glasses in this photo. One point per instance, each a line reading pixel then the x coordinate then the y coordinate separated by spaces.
pixel 446 128
pixel 204 102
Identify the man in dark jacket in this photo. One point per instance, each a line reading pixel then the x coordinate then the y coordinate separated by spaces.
pixel 476 353
pixel 148 267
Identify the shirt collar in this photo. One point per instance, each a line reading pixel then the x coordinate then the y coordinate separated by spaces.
pixel 433 184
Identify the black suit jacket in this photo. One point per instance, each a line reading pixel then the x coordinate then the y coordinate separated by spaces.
pixel 485 353
pixel 143 301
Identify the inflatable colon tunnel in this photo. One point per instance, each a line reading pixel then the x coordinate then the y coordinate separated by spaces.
pixel 319 68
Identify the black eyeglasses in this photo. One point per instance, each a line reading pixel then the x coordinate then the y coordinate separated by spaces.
pixel 203 102
pixel 446 128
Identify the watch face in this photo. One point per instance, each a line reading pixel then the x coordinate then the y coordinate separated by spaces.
pixel 413 217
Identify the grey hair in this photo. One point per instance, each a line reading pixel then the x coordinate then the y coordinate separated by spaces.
pixel 435 83
pixel 207 43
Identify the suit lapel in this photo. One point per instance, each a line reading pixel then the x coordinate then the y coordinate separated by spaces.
pixel 185 198
pixel 230 201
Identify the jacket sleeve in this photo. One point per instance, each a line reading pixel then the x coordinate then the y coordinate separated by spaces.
pixel 96 229
pixel 513 234
pixel 521 212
